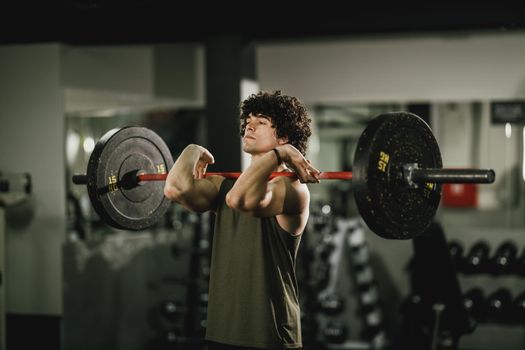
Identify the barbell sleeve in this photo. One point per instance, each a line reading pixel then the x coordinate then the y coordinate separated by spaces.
pixel 80 179
pixel 485 176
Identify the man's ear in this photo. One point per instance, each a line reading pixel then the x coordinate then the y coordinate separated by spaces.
pixel 282 140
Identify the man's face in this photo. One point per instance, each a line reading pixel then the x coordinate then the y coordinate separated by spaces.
pixel 259 135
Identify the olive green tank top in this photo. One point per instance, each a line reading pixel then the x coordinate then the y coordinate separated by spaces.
pixel 253 294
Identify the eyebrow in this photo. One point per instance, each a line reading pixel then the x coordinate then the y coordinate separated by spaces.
pixel 261 116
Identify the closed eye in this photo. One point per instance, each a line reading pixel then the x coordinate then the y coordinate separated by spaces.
pixel 258 121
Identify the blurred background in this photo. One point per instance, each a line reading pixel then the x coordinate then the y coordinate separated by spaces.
pixel 72 70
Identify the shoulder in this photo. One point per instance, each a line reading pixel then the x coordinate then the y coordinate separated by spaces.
pixel 296 191
pixel 296 207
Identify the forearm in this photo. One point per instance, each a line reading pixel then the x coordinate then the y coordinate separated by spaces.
pixel 181 178
pixel 252 186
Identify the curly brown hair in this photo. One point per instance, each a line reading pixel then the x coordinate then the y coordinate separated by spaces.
pixel 288 116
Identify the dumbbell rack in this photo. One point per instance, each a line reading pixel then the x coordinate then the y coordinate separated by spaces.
pixel 486 332
pixel 342 308
pixel 367 291
pixel 503 265
pixel 433 313
pixel 184 321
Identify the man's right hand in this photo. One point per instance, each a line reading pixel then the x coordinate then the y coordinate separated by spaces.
pixel 205 158
pixel 185 182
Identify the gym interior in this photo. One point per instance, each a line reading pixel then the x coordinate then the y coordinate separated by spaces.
pixel 69 280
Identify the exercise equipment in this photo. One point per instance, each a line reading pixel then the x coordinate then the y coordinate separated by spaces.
pixel 478 258
pixel 475 303
pixel 504 258
pixel 396 180
pixel 331 304
pixel 456 251
pixel 172 310
pixel 519 266
pixel 435 312
pixel 519 307
pixel 16 182
pixel 335 333
pixel 116 195
pixel 499 305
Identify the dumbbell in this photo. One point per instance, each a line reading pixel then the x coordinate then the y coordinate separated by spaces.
pixel 519 266
pixel 477 259
pixel 364 277
pixel 172 310
pixel 518 306
pixel 499 305
pixel 504 258
pixel 373 324
pixel 456 250
pixel 16 183
pixel 369 298
pixel 475 303
pixel 335 333
pixel 331 304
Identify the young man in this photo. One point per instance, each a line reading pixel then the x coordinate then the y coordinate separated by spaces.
pixel 253 296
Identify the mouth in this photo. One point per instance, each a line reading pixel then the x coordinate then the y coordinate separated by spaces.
pixel 249 137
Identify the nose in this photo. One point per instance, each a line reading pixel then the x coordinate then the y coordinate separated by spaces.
pixel 250 127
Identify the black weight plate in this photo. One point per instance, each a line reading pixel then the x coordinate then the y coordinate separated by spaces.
pixel 119 156
pixel 387 204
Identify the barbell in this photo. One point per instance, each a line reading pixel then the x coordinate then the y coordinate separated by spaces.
pixel 396 179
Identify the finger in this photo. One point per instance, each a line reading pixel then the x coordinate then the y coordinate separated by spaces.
pixel 208 157
pixel 197 171
pixel 313 169
pixel 312 179
pixel 312 174
pixel 309 170
pixel 304 176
